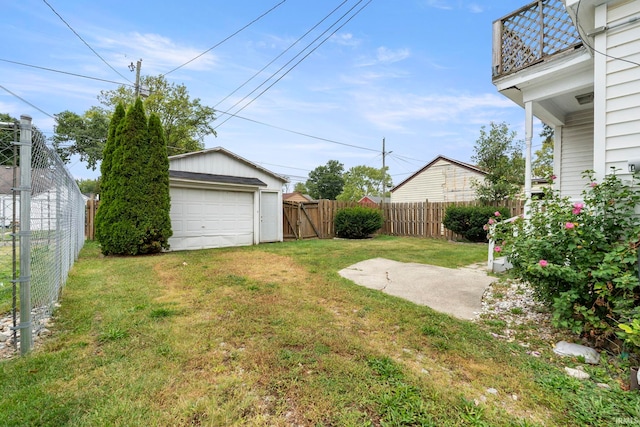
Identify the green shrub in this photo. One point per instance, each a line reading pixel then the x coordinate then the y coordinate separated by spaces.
pixel 470 221
pixel 358 222
pixel 581 257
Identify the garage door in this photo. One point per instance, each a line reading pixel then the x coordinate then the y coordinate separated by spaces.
pixel 210 218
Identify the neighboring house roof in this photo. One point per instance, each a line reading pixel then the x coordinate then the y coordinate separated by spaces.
pixel 374 199
pixel 297 196
pixel 212 178
pixel 441 157
pixel 233 156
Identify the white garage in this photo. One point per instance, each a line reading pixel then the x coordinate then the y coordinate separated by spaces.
pixel 219 199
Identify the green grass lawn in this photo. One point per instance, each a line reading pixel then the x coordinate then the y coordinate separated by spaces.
pixel 271 335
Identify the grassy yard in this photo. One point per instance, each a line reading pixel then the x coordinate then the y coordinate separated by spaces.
pixel 271 335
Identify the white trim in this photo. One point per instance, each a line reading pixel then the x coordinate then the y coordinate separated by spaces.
pixel 600 96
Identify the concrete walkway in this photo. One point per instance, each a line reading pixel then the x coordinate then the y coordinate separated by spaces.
pixel 457 292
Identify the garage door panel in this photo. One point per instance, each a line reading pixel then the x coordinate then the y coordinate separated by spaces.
pixel 210 218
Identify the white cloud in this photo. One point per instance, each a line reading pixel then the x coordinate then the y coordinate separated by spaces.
pixel 400 112
pixel 475 8
pixel 345 39
pixel 389 56
pixel 159 53
pixel 440 4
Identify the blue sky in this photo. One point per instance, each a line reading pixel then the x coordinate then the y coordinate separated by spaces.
pixel 415 72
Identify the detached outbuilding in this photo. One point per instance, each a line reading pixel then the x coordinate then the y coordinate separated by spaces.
pixel 219 199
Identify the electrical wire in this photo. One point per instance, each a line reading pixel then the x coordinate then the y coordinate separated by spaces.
pixel 27 102
pixel 225 39
pixel 83 41
pixel 302 59
pixel 298 133
pixel 280 55
pixel 594 49
pixel 65 72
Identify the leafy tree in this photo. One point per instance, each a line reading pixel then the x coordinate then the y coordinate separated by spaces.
pixel 360 181
pixel 542 164
pixel 84 135
pixel 89 186
pixel 185 121
pixel 7 136
pixel 326 182
pixel 500 155
pixel 136 219
pixel 300 188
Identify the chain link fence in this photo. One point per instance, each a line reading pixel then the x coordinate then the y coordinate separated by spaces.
pixel 42 231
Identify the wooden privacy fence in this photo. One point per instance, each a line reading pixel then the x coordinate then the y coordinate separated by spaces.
pixel 304 220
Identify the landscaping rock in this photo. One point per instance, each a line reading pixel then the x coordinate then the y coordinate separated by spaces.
pixel 577 373
pixel 564 348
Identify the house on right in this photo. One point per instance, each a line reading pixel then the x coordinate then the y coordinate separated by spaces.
pixel 575 65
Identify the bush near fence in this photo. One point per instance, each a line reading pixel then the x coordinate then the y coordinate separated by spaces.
pixel 303 220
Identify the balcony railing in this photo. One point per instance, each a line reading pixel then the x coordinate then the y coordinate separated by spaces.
pixel 532 34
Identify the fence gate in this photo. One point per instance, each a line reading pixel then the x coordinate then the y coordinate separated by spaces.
pixel 41 231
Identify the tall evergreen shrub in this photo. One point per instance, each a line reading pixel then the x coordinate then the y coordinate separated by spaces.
pixel 136 217
pixel 106 180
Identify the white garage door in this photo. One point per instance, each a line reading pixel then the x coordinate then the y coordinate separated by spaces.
pixel 210 218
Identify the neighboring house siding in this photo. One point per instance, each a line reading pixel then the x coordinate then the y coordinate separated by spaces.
pixel 577 152
pixel 622 87
pixel 441 182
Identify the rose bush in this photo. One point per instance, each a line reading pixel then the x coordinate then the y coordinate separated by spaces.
pixel 580 257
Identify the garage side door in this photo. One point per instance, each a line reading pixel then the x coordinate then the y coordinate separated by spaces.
pixel 210 218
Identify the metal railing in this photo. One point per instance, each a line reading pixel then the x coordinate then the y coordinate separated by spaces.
pixel 531 34
pixel 42 226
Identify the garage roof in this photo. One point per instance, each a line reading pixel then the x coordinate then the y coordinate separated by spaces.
pixel 218 179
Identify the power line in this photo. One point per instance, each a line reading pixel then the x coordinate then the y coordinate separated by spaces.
pixel 83 41
pixel 225 39
pixel 280 55
pixel 301 59
pixel 27 102
pixel 298 133
pixel 64 72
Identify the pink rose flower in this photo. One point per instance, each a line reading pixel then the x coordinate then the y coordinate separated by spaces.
pixel 497 249
pixel 577 208
pixel 553 177
pixel 594 184
pixel 496 213
pixel 491 221
pixel 543 263
pixel 569 225
pixel 485 227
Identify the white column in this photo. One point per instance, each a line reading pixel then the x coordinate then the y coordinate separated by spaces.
pixel 528 132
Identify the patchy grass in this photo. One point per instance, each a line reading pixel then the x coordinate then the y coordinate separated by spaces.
pixel 271 335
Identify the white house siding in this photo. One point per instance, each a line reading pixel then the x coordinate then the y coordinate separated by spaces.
pixel 622 86
pixel 443 181
pixel 576 153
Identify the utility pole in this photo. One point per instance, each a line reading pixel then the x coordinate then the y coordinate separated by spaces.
pixel 384 171
pixel 137 68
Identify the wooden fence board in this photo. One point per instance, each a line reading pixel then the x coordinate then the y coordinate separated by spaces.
pixel 423 219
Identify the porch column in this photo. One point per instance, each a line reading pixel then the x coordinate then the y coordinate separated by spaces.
pixel 528 136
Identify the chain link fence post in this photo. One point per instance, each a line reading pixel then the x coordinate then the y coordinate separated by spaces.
pixel 26 327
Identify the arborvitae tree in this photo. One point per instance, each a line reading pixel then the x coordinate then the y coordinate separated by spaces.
pixel 158 203
pixel 126 212
pixel 106 180
pixel 136 219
